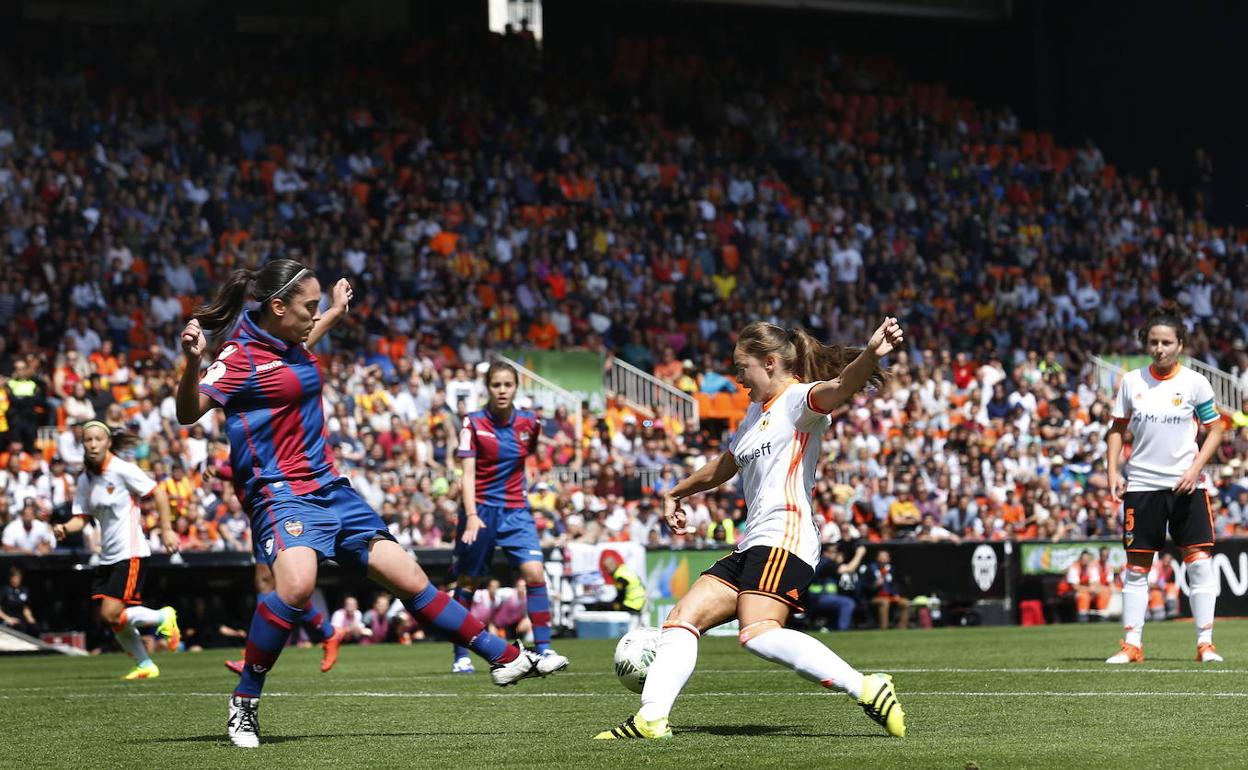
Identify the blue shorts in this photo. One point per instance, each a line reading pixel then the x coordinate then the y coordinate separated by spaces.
pixel 334 521
pixel 511 529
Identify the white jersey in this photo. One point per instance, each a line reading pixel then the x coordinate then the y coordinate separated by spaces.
pixel 1161 414
pixel 111 498
pixel 777 446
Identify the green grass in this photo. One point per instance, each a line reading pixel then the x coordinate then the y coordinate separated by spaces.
pixel 998 697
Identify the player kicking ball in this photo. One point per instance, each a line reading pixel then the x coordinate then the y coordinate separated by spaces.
pixel 794 382
pixel 302 510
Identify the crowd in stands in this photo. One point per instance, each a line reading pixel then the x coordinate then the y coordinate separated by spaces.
pixel 642 201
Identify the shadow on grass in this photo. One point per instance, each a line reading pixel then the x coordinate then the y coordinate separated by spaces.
pixel 734 731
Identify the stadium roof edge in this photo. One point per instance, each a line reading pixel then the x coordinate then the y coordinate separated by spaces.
pixel 969 10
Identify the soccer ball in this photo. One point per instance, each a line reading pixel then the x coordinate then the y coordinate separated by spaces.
pixel 633 656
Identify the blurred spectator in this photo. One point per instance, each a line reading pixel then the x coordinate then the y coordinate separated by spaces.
pixel 885 592
pixel 15 609
pixel 205 626
pixel 29 533
pixel 502 610
pixel 833 592
pixel 350 620
pixel 1084 583
pixel 381 625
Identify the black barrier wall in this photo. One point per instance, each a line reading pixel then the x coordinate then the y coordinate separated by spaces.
pixel 991 576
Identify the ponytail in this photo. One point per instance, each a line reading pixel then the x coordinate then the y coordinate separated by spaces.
pixel 219 316
pixel 279 279
pixel 801 354
pixel 815 361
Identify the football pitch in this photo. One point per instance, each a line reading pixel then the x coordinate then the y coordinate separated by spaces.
pixel 994 697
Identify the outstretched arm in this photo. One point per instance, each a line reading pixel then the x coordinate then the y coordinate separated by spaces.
pixel 829 394
pixel 191 404
pixel 340 304
pixel 708 477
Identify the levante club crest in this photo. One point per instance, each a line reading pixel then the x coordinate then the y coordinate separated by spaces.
pixel 294 528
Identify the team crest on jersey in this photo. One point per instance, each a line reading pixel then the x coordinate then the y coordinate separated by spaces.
pixel 110 488
pixel 1128 538
pixel 524 437
pixel 294 528
pixel 1177 400
pixel 762 424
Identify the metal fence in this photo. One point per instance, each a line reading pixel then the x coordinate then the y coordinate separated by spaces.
pixel 647 391
pixel 546 394
pixel 1225 388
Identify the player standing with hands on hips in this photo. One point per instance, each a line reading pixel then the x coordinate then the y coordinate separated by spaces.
pixel 302 511
pixel 794 382
pixel 1161 405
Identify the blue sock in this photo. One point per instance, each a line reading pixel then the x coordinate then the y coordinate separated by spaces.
pixel 436 609
pixel 314 621
pixel 464 597
pixel 270 628
pixel 538 604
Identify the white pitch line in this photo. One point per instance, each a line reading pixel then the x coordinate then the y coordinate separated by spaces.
pixel 735 694
pixel 1106 669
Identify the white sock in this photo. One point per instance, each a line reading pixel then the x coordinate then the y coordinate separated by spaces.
pixel 809 657
pixel 128 638
pixel 1202 587
pixel 1134 604
pixel 673 664
pixel 142 617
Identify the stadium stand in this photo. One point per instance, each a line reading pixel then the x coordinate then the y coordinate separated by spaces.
pixel 535 201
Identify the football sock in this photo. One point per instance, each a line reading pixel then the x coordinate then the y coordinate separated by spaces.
pixel 1202 586
pixel 537 602
pixel 1134 604
pixel 143 617
pixel 436 608
pixel 674 660
pixel 129 639
pixel 464 597
pixel 317 625
pixel 314 622
pixel 270 628
pixel 809 657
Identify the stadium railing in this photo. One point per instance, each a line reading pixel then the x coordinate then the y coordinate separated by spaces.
pixel 643 390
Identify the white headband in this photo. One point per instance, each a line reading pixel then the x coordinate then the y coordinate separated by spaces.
pixel 287 285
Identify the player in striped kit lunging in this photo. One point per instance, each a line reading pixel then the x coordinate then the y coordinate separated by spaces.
pixel 302 510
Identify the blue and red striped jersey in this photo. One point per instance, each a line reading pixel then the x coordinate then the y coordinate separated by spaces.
pixel 501 451
pixel 271 393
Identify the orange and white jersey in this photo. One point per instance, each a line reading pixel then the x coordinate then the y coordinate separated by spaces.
pixel 777 447
pixel 1078 575
pixel 1161 413
pixel 111 498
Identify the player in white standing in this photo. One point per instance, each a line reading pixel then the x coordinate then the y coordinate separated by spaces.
pixel 1161 406
pixel 109 489
pixel 794 382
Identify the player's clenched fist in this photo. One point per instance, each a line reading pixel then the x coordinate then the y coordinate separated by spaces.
pixel 193 340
